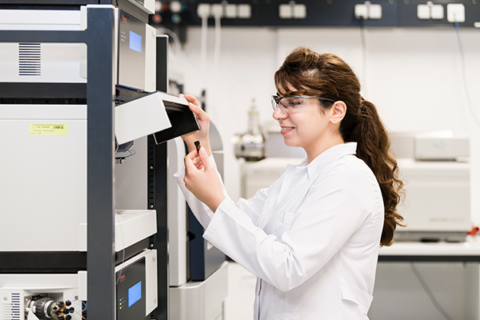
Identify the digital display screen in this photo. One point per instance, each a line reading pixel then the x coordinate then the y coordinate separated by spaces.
pixel 134 294
pixel 135 42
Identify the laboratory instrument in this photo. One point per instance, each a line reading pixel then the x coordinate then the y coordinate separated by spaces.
pixel 76 84
pixel 436 171
pixel 251 144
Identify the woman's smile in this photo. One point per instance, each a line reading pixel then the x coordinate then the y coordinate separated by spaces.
pixel 286 130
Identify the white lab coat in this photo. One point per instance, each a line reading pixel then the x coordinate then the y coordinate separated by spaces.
pixel 311 238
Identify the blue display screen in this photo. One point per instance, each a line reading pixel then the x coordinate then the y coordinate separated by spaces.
pixel 135 42
pixel 134 294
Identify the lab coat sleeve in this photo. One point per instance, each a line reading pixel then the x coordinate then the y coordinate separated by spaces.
pixel 335 207
pixel 202 212
pixel 253 207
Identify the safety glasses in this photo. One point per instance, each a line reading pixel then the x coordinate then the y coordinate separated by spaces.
pixel 293 104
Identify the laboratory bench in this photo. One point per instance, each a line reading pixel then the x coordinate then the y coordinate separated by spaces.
pixel 428 280
pixel 467 251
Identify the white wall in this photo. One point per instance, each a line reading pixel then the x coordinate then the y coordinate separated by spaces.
pixel 413 76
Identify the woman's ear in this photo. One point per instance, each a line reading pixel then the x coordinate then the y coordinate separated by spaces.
pixel 338 111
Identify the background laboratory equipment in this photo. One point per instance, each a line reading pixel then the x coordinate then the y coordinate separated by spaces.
pixel 436 170
pixel 251 144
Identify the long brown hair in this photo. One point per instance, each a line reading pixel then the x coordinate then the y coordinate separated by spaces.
pixel 329 76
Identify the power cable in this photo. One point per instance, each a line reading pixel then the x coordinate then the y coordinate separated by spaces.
pixel 464 76
pixel 429 292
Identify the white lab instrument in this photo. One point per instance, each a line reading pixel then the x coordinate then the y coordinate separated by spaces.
pixel 436 173
pixel 177 216
pixel 141 117
pixel 64 296
pixel 48 142
pixel 46 170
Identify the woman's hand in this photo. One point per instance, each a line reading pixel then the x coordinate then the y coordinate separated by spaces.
pixel 203 121
pixel 204 184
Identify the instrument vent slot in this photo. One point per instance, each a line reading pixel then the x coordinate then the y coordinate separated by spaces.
pixel 29 59
pixel 11 309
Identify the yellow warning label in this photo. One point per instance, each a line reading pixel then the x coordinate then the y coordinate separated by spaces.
pixel 51 129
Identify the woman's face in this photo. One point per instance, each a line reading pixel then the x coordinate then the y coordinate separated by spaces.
pixel 305 127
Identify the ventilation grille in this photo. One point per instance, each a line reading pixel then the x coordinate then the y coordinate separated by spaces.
pixel 11 309
pixel 29 59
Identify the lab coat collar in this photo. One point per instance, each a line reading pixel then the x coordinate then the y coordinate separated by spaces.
pixel 329 155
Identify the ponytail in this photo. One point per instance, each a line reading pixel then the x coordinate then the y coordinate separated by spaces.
pixel 373 146
pixel 328 76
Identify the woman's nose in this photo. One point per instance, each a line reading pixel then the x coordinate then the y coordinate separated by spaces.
pixel 278 113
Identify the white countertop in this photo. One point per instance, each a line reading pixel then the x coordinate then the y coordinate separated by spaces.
pixel 471 247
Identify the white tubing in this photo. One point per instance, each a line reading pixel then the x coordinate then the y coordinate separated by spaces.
pixel 218 40
pixel 203 48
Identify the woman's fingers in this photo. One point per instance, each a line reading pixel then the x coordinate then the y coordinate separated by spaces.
pixel 189 165
pixel 192 155
pixel 196 109
pixel 204 185
pixel 193 164
pixel 199 113
pixel 194 160
pixel 204 158
pixel 193 104
pixel 191 99
pixel 203 121
pixel 197 161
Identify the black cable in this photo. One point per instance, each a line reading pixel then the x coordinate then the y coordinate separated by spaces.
pixel 467 92
pixel 123 245
pixel 130 153
pixel 429 293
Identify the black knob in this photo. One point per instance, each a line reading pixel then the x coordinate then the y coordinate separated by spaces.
pixel 43 308
pixel 68 317
pixel 68 303
pixel 71 310
pixel 61 304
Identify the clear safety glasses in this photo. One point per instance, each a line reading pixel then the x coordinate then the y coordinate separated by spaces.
pixel 292 104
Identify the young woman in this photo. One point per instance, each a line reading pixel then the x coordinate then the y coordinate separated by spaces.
pixel 312 238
